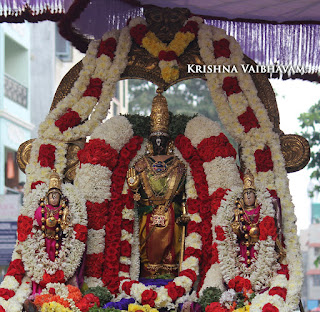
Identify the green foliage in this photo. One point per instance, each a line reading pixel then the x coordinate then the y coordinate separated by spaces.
pixel 186 98
pixel 310 124
pixel 317 261
pixel 102 293
pixel 141 124
pixel 209 295
pixel 96 309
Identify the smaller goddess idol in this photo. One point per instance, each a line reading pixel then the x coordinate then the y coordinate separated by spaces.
pixel 52 218
pixel 246 222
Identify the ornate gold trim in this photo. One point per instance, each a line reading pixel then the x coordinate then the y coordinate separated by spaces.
pixel 23 157
pixel 23 154
pixel 296 151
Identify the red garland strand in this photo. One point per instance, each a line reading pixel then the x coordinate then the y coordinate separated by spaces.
pixel 47 156
pixel 24 227
pixel 68 120
pixel 248 120
pixel 94 89
pixel 221 48
pixel 280 291
pixel 269 308
pixel 231 85
pixel 114 217
pixel 16 269
pixel 206 205
pixel 263 159
pixel 107 47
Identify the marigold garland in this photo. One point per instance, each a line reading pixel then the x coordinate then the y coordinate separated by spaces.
pixel 168 55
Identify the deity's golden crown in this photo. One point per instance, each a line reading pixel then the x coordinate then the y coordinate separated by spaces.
pixel 55 182
pixel 159 117
pixel 248 181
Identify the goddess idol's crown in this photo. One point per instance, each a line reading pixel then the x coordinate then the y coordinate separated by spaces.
pixel 54 182
pixel 248 181
pixel 159 117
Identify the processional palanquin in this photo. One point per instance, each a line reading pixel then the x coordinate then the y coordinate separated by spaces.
pixel 165 24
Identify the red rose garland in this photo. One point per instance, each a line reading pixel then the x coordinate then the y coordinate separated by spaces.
pixel 268 228
pixel 97 152
pixel 24 227
pixel 231 85
pixel 280 291
pixel 34 184
pixel 269 308
pixel 57 277
pixel 215 307
pixel 248 120
pixel 220 233
pixel 6 293
pixel 284 270
pixel 94 89
pixel 206 205
pixel 114 216
pixel 107 47
pixel 138 32
pixel 47 156
pixel 148 297
pixel 17 271
pixel 221 48
pixel 68 120
pixel 263 159
pixel 239 284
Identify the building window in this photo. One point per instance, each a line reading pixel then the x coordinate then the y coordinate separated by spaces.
pixel 63 48
pixel 16 72
pixel 316 280
pixel 317 251
pixel 15 91
pixel 11 170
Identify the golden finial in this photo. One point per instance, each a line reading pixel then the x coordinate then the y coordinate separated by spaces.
pixel 159 115
pixel 55 181
pixel 248 181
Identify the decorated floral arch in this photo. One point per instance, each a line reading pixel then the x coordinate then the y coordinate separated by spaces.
pixel 102 206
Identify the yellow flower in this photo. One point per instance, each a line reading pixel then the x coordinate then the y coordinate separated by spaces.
pixel 54 307
pixel 243 309
pixel 152 44
pixel 135 307
pixel 180 42
pixel 169 74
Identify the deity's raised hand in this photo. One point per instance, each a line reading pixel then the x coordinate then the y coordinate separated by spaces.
pixel 133 179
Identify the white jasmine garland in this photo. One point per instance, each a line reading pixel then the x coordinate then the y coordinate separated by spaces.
pixel 94 181
pixel 102 68
pixel 96 241
pixel 229 109
pixel 196 134
pixel 14 304
pixel 213 278
pixel 93 281
pixel 135 248
pixel 35 172
pixel 221 172
pixel 116 131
